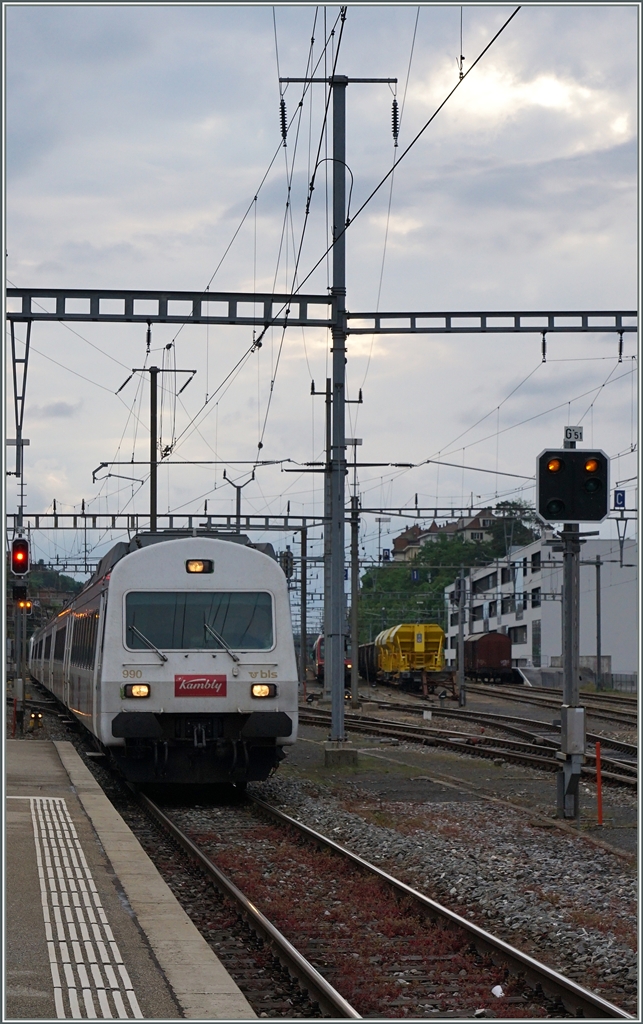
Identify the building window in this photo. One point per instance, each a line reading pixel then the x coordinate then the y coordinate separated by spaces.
pixel 477 612
pixel 455 618
pixel 535 643
pixel 508 605
pixel 476 535
pixel 535 561
pixel 535 597
pixel 493 608
pixel 518 634
pixel 486 523
pixel 453 642
pixel 485 583
pixel 506 576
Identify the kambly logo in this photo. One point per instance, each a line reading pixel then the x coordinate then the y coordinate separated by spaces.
pixel 199 686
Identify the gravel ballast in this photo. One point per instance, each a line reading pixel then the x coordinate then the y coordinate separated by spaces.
pixel 564 901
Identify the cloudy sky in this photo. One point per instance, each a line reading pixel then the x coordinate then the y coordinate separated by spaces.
pixel 137 138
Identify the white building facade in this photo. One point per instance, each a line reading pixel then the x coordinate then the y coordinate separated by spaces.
pixel 521 596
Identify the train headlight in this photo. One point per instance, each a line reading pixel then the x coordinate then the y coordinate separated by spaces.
pixel 135 690
pixel 199 565
pixel 263 690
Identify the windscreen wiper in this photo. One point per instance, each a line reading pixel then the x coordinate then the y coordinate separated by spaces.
pixel 221 641
pixel 149 643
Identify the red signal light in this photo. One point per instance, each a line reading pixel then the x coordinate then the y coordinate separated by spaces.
pixel 20 556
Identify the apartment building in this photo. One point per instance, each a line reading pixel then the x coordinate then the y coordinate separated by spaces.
pixel 521 596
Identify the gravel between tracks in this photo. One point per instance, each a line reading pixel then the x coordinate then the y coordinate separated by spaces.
pixel 567 903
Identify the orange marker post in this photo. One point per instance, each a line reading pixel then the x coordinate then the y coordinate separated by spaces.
pixel 599 786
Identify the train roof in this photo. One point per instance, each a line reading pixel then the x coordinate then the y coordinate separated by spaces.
pixel 143 540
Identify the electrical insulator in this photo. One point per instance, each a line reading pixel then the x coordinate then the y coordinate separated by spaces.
pixel 395 121
pixel 282 118
pixel 287 562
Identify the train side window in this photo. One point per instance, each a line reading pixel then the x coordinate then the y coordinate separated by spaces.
pixel 47 646
pixel 59 645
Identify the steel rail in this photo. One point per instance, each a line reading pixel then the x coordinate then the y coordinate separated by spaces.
pixel 309 978
pixel 621 717
pixel 601 699
pixel 479 746
pixel 485 717
pixel 574 997
pixel 591 695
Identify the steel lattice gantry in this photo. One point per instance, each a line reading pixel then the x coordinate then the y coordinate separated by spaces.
pixel 27 305
pixel 111 305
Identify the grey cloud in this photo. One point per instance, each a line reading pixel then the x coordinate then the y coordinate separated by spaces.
pixel 55 410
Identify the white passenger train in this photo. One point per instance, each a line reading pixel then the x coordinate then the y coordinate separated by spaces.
pixel 178 656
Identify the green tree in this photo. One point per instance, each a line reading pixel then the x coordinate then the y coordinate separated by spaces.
pixel 518 525
pixel 390 594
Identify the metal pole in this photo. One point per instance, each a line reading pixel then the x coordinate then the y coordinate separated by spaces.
pixel 572 733
pixel 327 534
pixel 303 660
pixel 461 604
pixel 154 372
pixel 18 641
pixel 334 656
pixel 238 488
pixel 571 579
pixel 354 599
pixel 599 667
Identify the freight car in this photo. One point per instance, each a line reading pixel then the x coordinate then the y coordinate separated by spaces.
pixel 487 658
pixel 409 655
pixel 178 657
pixel 318 658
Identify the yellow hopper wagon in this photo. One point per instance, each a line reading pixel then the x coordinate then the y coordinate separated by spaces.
pixel 409 655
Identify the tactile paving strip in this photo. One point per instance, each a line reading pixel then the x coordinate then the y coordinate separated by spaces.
pixel 89 977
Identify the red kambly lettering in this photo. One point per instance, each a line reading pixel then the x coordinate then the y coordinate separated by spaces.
pixel 200 686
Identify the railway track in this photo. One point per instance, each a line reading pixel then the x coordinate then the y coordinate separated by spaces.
pixel 317 987
pixel 529 695
pixel 511 723
pixel 529 752
pixel 361 942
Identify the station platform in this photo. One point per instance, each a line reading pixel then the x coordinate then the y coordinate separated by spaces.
pixel 92 930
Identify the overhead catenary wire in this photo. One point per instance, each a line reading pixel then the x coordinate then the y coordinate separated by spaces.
pixel 390 201
pixel 395 164
pixel 299 252
pixel 256 341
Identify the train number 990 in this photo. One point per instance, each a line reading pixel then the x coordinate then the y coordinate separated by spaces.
pixel 132 673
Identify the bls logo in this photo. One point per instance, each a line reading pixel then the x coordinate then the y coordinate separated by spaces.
pixel 264 674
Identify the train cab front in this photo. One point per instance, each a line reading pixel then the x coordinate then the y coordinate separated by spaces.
pixel 199 748
pixel 200 680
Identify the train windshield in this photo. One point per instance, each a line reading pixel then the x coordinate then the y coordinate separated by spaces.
pixel 188 621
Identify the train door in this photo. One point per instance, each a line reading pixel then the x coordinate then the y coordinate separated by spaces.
pixel 67 661
pixel 98 664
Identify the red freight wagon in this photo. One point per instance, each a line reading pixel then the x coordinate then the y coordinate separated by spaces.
pixel 487 658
